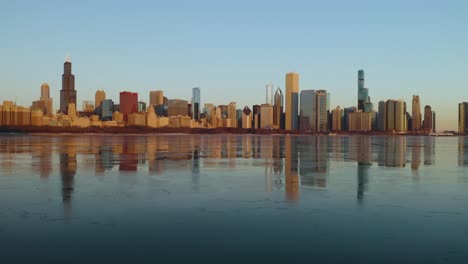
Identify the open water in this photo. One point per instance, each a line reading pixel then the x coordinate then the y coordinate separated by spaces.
pixel 233 198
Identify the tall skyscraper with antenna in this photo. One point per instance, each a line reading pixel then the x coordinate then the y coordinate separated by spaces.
pixel 68 93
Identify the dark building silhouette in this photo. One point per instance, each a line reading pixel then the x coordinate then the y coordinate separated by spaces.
pixel 128 104
pixel 68 93
pixel 427 123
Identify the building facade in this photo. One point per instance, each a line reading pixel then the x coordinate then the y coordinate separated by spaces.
pixel 128 104
pixel 337 117
pixel 196 104
pixel 246 118
pixel 266 112
pixel 360 121
pixel 314 110
pixel 232 114
pixel 322 110
pixel 107 109
pixel 177 107
pixel 395 116
pixel 156 98
pixel 68 92
pixel 99 97
pixel 427 125
pixel 278 103
pixel 463 117
pixel 307 112
pixel 364 103
pixel 382 117
pixel 416 114
pixel 292 102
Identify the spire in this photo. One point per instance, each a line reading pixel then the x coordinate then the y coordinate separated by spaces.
pixel 68 58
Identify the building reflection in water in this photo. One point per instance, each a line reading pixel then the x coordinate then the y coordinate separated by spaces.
pixel 429 149
pixel 42 158
pixel 196 167
pixel 291 168
pixel 68 167
pixel 462 151
pixel 392 151
pixel 336 148
pixel 132 153
pixel 288 161
pixel 277 156
pixel 246 146
pixel 313 160
pixel 416 145
pixel 364 162
pixel 415 152
pixel 267 155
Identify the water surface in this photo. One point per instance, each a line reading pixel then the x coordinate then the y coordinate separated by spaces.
pixel 233 198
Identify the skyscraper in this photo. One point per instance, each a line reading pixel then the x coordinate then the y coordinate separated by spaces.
pixel 177 107
pixel 364 103
pixel 292 90
pixel 232 114
pixel 107 109
pixel 314 110
pixel 246 118
pixel 382 117
pixel 463 117
pixel 307 113
pixel 427 118
pixel 68 93
pixel 196 103
pixel 278 104
pixel 99 97
pixel 395 116
pixel 45 102
pixel 156 98
pixel 45 91
pixel 337 115
pixel 322 109
pixel 266 114
pixel 362 92
pixel 416 114
pixel 128 104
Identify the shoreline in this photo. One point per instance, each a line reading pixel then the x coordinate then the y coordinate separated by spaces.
pixel 202 131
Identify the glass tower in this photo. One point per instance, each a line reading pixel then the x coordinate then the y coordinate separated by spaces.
pixel 307 119
pixel 364 103
pixel 196 103
pixel 363 93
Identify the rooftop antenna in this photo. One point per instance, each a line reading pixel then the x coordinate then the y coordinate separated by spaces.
pixel 271 93
pixel 68 58
pixel 268 98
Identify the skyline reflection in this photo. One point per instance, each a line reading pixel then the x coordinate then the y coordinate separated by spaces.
pixel 169 192
pixel 295 161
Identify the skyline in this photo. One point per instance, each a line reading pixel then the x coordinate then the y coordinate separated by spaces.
pixel 233 49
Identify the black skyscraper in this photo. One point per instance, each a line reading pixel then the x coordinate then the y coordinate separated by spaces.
pixel 68 93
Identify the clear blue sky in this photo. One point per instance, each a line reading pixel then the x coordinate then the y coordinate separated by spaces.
pixel 231 49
